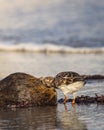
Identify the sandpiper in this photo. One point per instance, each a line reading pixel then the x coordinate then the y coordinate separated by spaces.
pixel 69 82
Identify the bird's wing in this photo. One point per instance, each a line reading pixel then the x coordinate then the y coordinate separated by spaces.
pixel 67 78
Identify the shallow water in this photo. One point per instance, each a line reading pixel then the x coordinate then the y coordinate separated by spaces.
pixel 43 64
pixel 81 117
pixel 54 118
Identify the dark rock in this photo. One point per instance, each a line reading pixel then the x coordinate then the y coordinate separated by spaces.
pixel 86 99
pixel 61 100
pixel 24 90
pixel 94 77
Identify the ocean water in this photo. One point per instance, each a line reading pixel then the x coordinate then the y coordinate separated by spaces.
pixel 43 38
pixel 52 26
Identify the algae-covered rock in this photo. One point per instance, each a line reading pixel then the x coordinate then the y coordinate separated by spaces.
pixel 24 90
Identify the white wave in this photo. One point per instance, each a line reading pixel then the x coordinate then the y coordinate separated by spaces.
pixel 48 48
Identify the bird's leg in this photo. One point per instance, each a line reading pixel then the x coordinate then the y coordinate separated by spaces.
pixel 65 99
pixel 74 97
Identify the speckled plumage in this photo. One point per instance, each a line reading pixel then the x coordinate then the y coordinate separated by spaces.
pixel 69 82
pixel 67 78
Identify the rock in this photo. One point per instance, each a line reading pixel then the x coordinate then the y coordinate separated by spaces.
pixel 86 99
pixel 94 77
pixel 24 90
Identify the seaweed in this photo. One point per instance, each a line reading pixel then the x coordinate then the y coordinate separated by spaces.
pixel 98 99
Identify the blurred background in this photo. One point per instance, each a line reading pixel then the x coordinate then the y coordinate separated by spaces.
pixel 51 25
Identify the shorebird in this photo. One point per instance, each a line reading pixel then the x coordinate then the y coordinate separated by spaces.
pixel 69 82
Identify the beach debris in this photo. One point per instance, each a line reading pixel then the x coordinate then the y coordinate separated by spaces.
pixel 24 90
pixel 99 99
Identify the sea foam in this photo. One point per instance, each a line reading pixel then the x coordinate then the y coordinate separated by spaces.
pixel 48 48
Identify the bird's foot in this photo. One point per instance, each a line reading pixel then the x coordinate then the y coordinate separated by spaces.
pixel 73 102
pixel 65 100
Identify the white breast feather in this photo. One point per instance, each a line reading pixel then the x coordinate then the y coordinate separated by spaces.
pixel 71 88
